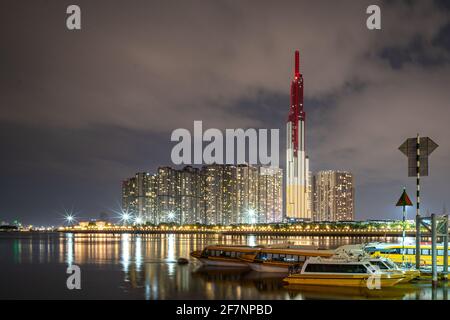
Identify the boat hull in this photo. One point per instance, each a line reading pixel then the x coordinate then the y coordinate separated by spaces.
pixel 411 274
pixel 340 280
pixel 218 261
pixel 222 263
pixel 262 267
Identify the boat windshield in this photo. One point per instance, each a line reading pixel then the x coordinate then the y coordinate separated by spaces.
pixel 391 264
pixel 390 251
pixel 380 264
pixel 370 249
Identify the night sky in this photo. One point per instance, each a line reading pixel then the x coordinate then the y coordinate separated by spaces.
pixel 82 110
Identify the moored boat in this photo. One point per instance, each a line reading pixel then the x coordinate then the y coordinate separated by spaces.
pixel 343 272
pixel 225 256
pixel 406 254
pixel 359 252
pixel 280 259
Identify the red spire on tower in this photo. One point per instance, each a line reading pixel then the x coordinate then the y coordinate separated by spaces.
pixel 297 63
pixel 296 112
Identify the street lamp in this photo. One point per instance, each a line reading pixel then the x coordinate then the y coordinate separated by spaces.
pixel 138 220
pixel 251 216
pixel 69 219
pixel 125 216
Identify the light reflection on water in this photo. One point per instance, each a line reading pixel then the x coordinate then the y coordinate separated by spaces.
pixel 143 266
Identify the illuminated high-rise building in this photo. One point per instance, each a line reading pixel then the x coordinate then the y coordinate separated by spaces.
pixel 247 179
pixel 298 198
pixel 213 193
pixel 168 195
pixel 150 198
pixel 270 195
pixel 220 194
pixel 334 196
pixel 229 214
pixel 138 196
pixel 191 204
pixel 129 198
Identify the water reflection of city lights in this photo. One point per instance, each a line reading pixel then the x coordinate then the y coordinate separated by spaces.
pixel 125 256
pixel 146 265
pixel 171 253
pixel 69 248
pixel 138 253
pixel 251 240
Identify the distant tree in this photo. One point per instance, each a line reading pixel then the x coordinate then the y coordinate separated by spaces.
pixel 104 216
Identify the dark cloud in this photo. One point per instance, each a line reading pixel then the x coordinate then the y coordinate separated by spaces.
pixel 81 110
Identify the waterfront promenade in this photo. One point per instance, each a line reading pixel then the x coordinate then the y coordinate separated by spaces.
pixel 244 231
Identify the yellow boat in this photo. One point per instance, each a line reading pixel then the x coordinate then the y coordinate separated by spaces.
pixel 345 273
pixel 225 256
pixel 281 259
pixel 394 252
pixel 354 293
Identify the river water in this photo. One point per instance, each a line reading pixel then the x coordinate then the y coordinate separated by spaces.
pixel 130 266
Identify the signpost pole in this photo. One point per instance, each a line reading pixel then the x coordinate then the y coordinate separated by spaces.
pixel 418 236
pixel 445 271
pixel 418 150
pixel 403 235
pixel 433 249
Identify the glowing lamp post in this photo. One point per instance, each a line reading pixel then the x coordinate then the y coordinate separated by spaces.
pixel 171 216
pixel 251 216
pixel 138 221
pixel 126 217
pixel 69 219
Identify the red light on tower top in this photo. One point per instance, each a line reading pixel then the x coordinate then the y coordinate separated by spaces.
pixel 297 63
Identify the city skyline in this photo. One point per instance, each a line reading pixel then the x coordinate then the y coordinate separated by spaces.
pixel 215 194
pixel 224 194
pixel 81 110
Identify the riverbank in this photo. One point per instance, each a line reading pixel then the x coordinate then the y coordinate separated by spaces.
pixel 355 233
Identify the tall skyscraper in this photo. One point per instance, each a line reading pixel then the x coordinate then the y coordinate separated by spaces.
pixel 334 196
pixel 297 163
